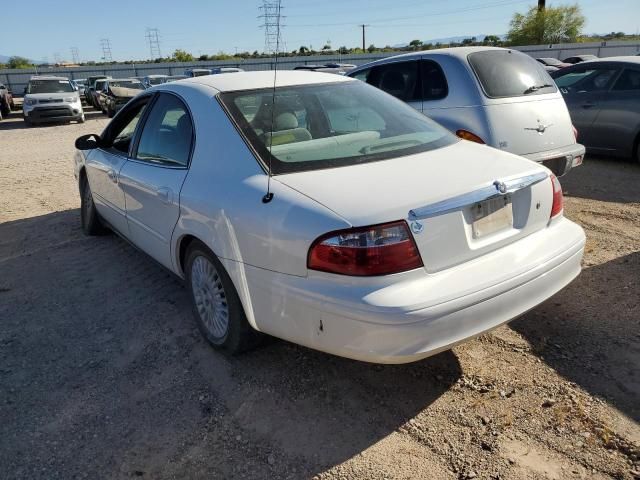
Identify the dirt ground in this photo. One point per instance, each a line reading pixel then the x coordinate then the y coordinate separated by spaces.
pixel 103 373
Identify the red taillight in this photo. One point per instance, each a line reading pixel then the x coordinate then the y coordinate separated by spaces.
pixel 367 251
pixel 472 137
pixel 558 199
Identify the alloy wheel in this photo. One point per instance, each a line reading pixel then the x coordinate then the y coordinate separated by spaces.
pixel 209 296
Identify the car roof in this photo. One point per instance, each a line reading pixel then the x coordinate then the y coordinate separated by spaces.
pixel 47 77
pixel 264 79
pixel 627 59
pixel 457 52
pixel 128 79
pixel 156 76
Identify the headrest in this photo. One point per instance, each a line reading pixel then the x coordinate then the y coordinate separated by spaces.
pixel 286 121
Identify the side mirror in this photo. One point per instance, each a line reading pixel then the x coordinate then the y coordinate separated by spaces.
pixel 88 142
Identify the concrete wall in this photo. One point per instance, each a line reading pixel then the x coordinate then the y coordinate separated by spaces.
pixel 18 79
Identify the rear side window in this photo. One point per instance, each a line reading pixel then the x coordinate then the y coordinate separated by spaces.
pixel 434 83
pixel 629 80
pixel 399 79
pixel 508 73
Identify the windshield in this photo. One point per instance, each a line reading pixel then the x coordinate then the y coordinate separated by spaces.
pixel 50 86
pixel 126 84
pixel 156 81
pixel 330 125
pixel 508 73
pixel 551 61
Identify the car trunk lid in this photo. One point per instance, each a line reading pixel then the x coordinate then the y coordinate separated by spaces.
pixel 417 188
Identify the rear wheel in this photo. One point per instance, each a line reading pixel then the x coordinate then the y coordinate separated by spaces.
pixel 6 109
pixel 89 216
pixel 215 302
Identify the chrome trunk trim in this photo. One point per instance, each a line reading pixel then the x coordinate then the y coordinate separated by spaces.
pixel 495 189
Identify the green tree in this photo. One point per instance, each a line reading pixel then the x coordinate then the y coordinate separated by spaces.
pixel 203 58
pixel 548 25
pixel 415 44
pixel 182 56
pixel 19 62
pixel 492 40
pixel 303 50
pixel 372 48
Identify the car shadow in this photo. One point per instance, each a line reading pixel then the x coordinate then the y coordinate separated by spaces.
pixel 101 357
pixel 590 332
pixel 604 179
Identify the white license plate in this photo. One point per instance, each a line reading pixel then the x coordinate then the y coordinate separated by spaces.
pixel 492 216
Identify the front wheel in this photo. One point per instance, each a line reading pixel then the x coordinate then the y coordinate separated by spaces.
pixel 215 302
pixel 81 119
pixel 89 216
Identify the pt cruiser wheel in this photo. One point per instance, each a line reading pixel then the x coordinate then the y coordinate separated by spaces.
pixel 216 305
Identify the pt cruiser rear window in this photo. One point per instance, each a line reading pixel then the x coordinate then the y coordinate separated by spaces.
pixel 509 73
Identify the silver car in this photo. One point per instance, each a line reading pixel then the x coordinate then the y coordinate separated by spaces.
pixel 499 97
pixel 603 97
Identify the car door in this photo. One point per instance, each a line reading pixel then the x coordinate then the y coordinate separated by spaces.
pixel 153 176
pixel 583 89
pixel 618 122
pixel 104 165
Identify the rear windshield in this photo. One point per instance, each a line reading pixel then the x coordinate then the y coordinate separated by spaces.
pixel 330 125
pixel 508 73
pixel 50 86
pixel 126 84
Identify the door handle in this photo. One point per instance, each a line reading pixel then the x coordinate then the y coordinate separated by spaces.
pixel 164 193
pixel 588 105
pixel 112 176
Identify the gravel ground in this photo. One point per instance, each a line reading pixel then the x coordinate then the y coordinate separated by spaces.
pixel 103 373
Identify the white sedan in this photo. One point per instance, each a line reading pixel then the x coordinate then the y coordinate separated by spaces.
pixel 336 216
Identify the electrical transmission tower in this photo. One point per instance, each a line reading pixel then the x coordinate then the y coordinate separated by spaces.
pixel 106 50
pixel 75 55
pixel 271 15
pixel 153 37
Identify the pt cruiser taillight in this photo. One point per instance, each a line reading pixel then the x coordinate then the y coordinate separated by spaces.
pixel 558 199
pixel 367 251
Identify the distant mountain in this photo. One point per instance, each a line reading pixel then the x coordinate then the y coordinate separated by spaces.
pixel 4 59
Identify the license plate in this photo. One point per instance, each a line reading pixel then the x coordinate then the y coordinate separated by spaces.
pixel 492 216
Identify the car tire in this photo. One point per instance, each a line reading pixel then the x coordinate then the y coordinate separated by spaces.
pixel 6 109
pixel 89 216
pixel 215 302
pixel 81 119
pixel 110 113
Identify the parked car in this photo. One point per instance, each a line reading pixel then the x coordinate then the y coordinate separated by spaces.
pixel 151 80
pixel 197 72
pixel 339 68
pixel 116 92
pixel 579 59
pixel 6 101
pixel 603 97
pixel 79 84
pixel 499 97
pixel 98 86
pixel 90 87
pixel 382 236
pixel 552 62
pixel 173 78
pixel 217 70
pixel 51 99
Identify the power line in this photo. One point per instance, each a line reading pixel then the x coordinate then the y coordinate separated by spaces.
pixel 75 55
pixel 105 44
pixel 153 37
pixel 272 25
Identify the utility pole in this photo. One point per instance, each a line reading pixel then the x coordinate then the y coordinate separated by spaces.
pixel 75 55
pixel 541 4
pixel 105 44
pixel 364 46
pixel 153 37
pixel 271 14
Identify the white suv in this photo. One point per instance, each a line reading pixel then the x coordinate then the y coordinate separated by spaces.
pixel 51 99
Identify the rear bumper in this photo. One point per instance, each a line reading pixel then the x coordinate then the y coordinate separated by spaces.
pixel 560 160
pixel 419 314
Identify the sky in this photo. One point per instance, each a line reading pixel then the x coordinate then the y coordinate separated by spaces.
pixel 47 30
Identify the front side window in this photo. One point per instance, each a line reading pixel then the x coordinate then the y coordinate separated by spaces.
pixel 167 133
pixel 50 86
pixel 508 73
pixel 330 125
pixel 134 84
pixel 586 80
